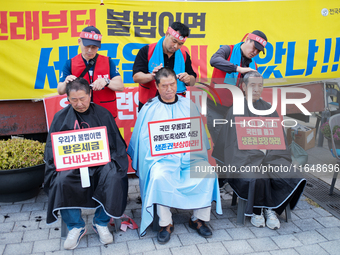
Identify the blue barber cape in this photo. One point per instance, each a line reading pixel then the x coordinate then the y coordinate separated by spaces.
pixel 166 179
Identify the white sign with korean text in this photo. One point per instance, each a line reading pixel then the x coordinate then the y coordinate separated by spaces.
pixel 175 136
pixel 80 148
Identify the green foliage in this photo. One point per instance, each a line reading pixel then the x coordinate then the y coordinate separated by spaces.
pixel 20 153
pixel 326 131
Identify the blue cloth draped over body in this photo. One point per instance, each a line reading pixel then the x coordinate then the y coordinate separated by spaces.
pixel 166 179
pixel 157 58
pixel 235 58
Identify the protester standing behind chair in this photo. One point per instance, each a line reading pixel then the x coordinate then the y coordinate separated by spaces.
pixel 100 71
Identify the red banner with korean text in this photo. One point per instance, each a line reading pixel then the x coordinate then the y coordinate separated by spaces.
pixel 259 133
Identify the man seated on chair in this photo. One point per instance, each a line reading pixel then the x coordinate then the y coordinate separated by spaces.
pixel 165 181
pixel 108 183
pixel 267 193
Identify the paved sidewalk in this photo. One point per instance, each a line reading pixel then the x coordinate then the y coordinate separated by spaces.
pixel 313 230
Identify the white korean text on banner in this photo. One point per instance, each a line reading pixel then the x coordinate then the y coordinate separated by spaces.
pixel 255 133
pixel 175 136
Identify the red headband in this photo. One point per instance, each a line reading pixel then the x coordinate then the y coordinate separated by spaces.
pixel 91 36
pixel 176 34
pixel 258 39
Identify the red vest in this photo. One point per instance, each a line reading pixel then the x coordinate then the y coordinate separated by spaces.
pixel 218 77
pixel 149 90
pixel 105 97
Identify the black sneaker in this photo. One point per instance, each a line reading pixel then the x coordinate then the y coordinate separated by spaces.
pixel 201 227
pixel 163 235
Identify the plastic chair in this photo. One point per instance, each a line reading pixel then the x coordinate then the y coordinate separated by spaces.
pixel 331 107
pixel 333 121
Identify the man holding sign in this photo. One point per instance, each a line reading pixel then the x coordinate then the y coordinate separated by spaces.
pixel 107 184
pixel 165 132
pixel 261 173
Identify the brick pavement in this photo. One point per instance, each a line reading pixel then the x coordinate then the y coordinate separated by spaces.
pixel 313 230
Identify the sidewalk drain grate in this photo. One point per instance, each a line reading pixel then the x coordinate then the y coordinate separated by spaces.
pixel 318 191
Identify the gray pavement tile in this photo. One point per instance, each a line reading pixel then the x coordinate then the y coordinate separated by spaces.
pixel 133 196
pixel 6 227
pixel 88 212
pixel 310 237
pixel 46 245
pixel 12 237
pixel 141 245
pixel 191 238
pixel 304 205
pixel 246 224
pixel 28 201
pixel 262 244
pixel 90 250
pixel 213 217
pixel 16 216
pixel 219 235
pixel 288 228
pixel 263 232
pixel 32 207
pixel 238 247
pixel 25 225
pixel 174 242
pixel 227 213
pixel 126 236
pixel 62 252
pixel 307 224
pixel 328 222
pixel 36 235
pixel 10 209
pixel 150 233
pixel 188 250
pixel 115 248
pixel 258 253
pixel 330 233
pixel 240 233
pixel 221 224
pixel 314 249
pixel 53 232
pixel 332 247
pixel 306 214
pixel 282 217
pixel 16 249
pixel 132 189
pixel 284 252
pixel 322 211
pixel 43 198
pixel 179 229
pixel 286 241
pixel 212 248
pixel 133 181
pixel 158 252
pixel 137 213
pixel 132 204
pixel 5 203
pixel 2 248
pixel 93 240
pixel 43 224
pixel 38 215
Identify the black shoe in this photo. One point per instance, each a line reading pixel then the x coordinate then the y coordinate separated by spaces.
pixel 163 235
pixel 201 227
